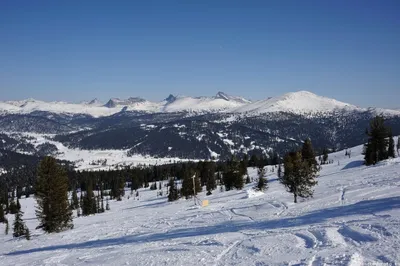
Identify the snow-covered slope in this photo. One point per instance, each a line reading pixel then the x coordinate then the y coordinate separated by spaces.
pixel 296 102
pixel 353 219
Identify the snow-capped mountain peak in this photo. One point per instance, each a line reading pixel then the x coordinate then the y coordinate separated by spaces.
pixel 222 95
pixel 300 102
pixel 95 101
pixel 171 98
pixel 114 102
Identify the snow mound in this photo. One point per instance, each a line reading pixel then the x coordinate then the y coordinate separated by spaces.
pixel 251 193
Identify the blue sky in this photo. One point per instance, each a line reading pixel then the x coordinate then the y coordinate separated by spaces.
pixel 78 50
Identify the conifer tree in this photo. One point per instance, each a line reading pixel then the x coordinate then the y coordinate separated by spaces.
pixel 121 188
pixel 153 186
pixel 13 208
pixel 187 184
pixel 173 192
pixel 53 209
pixel 75 201
pixel 107 205
pixel 211 185
pixel 2 215
pixel 233 176
pixel 391 145
pixel 376 148
pixel 279 171
pixel 102 205
pixel 248 181
pixel 299 176
pixel 89 201
pixel 325 156
pixel 308 154
pixel 398 146
pixel 18 205
pixel 262 182
pixel 19 225
pixel 7 228
pixel 27 233
pixel 98 209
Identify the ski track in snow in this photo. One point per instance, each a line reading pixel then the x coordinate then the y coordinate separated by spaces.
pixel 353 219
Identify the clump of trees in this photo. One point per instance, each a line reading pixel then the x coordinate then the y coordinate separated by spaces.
pixel 300 171
pixel 380 144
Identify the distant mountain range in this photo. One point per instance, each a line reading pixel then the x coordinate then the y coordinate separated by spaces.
pixel 301 102
pixel 186 127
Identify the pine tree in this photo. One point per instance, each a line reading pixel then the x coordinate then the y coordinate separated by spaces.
pixel 299 176
pixel 187 184
pixel 19 225
pixel 107 205
pixel 98 209
pixel 89 201
pixel 262 182
pixel 75 201
pixel 121 188
pixel 27 233
pixel 279 171
pixel 102 205
pixel 211 185
pixel 391 153
pixel 376 147
pixel 2 215
pixel 13 208
pixel 308 154
pixel 325 156
pixel 153 186
pixel 248 180
pixel 173 192
pixel 53 209
pixel 7 228
pixel 398 146
pixel 18 205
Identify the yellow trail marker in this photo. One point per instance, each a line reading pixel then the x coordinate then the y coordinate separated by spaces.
pixel 204 203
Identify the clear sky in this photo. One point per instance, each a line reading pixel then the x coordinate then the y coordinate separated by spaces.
pixel 78 50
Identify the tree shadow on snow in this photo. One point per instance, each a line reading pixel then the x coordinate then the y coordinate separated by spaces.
pixel 156 204
pixel 353 164
pixel 315 217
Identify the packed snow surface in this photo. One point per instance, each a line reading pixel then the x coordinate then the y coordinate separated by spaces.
pixel 353 219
